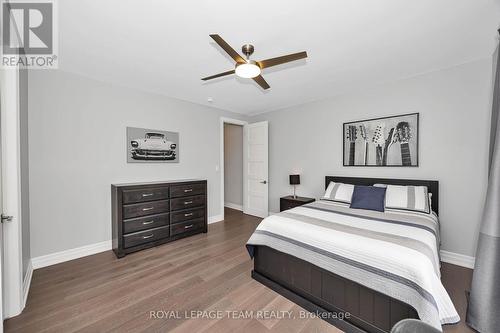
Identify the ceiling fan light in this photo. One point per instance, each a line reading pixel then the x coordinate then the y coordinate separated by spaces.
pixel 248 70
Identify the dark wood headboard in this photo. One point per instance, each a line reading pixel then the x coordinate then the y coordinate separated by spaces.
pixel 432 185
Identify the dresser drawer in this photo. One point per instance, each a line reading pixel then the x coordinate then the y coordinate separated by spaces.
pixel 147 222
pixel 187 202
pixel 188 214
pixel 188 226
pixel 186 190
pixel 146 236
pixel 145 194
pixel 146 208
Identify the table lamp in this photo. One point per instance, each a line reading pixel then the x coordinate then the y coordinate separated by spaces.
pixel 294 180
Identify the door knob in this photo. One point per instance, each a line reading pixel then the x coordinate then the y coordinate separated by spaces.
pixel 6 218
pixel 264 182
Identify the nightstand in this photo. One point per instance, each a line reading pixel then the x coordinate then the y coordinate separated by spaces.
pixel 289 202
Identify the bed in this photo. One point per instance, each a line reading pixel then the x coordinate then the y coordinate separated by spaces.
pixel 362 271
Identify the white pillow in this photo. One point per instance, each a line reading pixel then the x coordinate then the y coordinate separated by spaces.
pixel 414 198
pixel 339 192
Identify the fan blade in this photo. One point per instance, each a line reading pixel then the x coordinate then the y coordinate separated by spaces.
pixel 260 80
pixel 281 60
pixel 229 50
pixel 218 75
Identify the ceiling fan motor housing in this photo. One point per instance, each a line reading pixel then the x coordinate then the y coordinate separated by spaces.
pixel 247 50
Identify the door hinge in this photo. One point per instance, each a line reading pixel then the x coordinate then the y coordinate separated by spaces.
pixel 6 218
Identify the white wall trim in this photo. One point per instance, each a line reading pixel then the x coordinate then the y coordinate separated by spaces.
pixel 27 282
pixel 83 251
pixel 79 252
pixel 87 250
pixel 216 218
pixel 224 120
pixel 66 255
pixel 233 206
pixel 457 259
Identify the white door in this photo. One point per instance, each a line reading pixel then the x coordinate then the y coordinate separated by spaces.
pixel 11 241
pixel 255 169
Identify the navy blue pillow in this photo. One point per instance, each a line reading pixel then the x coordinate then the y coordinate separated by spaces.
pixel 368 197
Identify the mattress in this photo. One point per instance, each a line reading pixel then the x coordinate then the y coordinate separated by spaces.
pixel 393 252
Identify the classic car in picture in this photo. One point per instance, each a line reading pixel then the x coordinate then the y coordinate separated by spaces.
pixel 154 146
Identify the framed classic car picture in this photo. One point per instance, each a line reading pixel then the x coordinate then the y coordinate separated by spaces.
pixel 389 141
pixel 147 145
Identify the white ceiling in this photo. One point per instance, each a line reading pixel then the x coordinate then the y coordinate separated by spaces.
pixel 163 46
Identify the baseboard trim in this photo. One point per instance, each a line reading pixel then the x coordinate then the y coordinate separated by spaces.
pixel 83 251
pixel 216 218
pixel 87 250
pixel 27 282
pixel 66 255
pixel 457 259
pixel 233 206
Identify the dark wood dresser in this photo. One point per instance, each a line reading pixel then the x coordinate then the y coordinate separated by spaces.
pixel 150 214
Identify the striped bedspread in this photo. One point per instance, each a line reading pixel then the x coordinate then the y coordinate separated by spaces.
pixel 395 253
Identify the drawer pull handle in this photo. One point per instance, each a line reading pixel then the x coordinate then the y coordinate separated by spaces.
pixel 147 208
pixel 148 236
pixel 147 222
pixel 188 190
pixel 188 226
pixel 188 214
pixel 147 194
pixel 188 202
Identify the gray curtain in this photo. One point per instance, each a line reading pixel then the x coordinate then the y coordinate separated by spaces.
pixel 483 312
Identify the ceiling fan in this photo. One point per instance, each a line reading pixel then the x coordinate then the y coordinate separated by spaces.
pixel 251 69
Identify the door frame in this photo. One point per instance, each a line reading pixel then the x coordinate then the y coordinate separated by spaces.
pixel 14 290
pixel 13 279
pixel 224 120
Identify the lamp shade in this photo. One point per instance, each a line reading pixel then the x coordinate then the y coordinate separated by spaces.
pixel 294 179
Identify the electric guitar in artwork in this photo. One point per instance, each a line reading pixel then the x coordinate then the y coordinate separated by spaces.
pixel 383 144
pixel 403 133
pixel 352 136
pixel 378 140
pixel 391 139
pixel 364 136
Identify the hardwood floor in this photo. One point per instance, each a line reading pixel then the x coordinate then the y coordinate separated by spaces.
pixel 208 272
pixel 457 280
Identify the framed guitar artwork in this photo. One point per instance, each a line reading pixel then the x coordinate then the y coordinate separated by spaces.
pixel 383 142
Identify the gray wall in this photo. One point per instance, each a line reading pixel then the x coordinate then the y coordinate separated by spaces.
pixel 454 106
pixel 77 142
pixel 77 149
pixel 24 157
pixel 233 164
